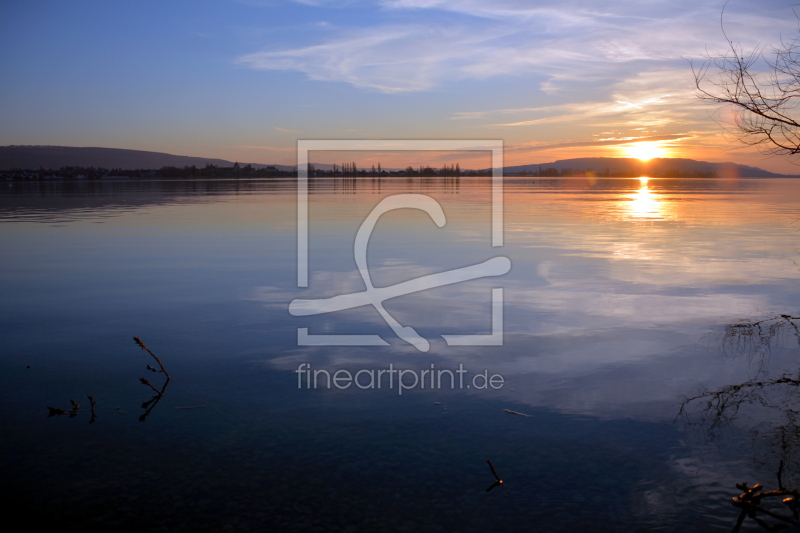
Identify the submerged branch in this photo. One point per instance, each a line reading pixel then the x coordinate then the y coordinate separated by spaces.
pixel 145 348
pixel 152 402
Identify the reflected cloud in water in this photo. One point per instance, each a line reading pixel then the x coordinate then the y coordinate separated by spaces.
pixel 608 318
pixel 615 308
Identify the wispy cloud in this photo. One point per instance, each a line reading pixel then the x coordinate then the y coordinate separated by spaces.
pixel 561 42
pixel 389 59
pixel 620 66
pixel 642 101
pixel 537 146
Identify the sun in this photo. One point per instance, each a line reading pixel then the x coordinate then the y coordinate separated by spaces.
pixel 645 151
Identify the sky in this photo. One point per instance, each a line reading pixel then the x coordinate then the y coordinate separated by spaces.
pixel 243 80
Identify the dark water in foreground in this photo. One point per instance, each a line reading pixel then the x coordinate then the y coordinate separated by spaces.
pixel 625 297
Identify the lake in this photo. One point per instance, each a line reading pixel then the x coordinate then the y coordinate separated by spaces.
pixel 625 297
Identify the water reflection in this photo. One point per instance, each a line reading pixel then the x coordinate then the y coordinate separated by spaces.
pixel 644 204
pixel 755 339
pixel 603 313
pixel 761 414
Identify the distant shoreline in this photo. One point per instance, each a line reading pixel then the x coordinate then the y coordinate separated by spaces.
pixel 95 162
pixel 29 175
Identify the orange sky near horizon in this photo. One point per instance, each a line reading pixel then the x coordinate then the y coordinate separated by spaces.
pixel 245 80
pixel 644 151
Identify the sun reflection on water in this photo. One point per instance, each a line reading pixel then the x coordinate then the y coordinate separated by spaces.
pixel 644 204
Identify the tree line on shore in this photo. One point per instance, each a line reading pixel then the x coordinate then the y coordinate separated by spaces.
pixel 236 171
pixel 346 170
pixel 94 173
pixel 352 170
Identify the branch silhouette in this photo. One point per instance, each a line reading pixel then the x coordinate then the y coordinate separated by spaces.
pixel 764 102
pixel 152 402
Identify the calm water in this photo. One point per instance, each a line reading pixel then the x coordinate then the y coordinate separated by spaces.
pixel 625 297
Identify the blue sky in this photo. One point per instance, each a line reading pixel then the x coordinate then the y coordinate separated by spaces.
pixel 244 79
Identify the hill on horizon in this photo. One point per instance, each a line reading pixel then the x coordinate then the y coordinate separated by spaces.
pixel 34 157
pixel 659 166
pixel 55 157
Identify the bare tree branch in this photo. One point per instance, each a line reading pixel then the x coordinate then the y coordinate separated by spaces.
pixel 764 102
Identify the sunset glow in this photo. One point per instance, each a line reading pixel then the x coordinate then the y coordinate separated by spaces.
pixel 645 151
pixel 385 246
pixel 553 81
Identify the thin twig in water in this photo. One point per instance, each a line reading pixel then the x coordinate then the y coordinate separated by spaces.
pixel 145 382
pixel 494 473
pixel 749 502
pixel 145 348
pixel 71 412
pixel 91 406
pixel 152 402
